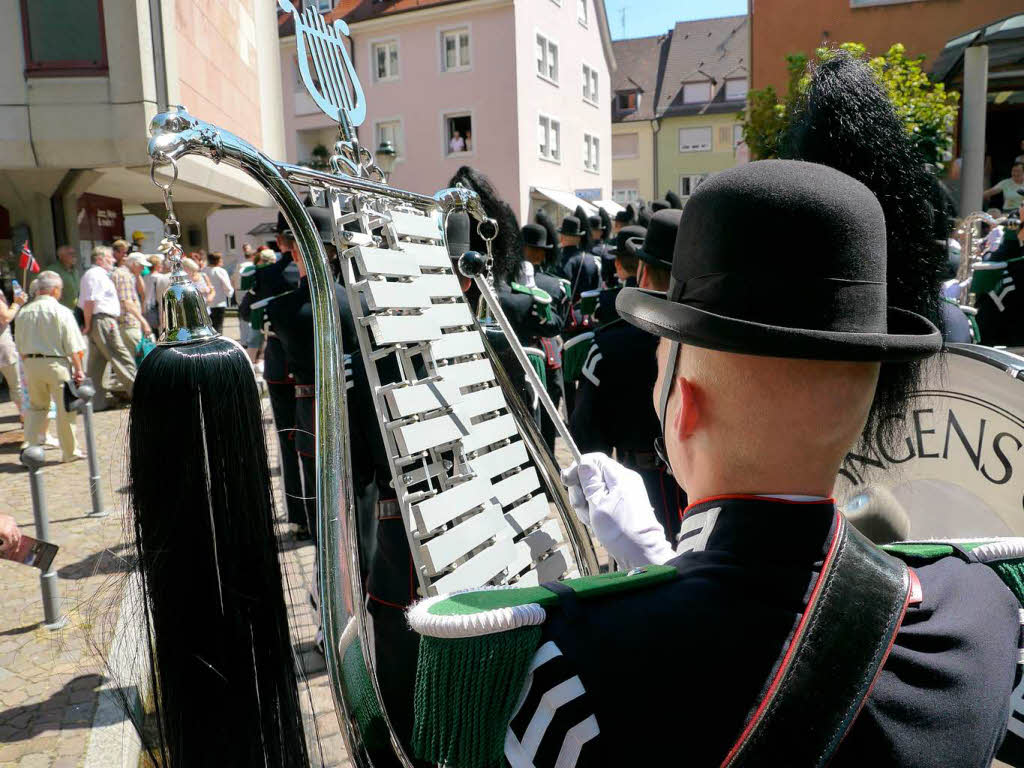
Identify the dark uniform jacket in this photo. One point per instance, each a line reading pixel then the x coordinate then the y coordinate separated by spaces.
pixel 580 269
pixel 1001 312
pixel 941 699
pixel 606 311
pixel 272 280
pixel 613 409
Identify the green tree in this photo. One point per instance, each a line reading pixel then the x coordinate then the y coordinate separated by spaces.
pixel 928 110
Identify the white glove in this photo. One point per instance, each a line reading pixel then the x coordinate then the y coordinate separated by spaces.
pixel 612 501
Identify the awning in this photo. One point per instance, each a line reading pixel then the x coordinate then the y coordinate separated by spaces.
pixel 610 207
pixel 269 228
pixel 1003 37
pixel 565 199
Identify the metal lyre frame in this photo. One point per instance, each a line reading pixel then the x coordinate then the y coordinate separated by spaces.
pixel 971 257
pixel 175 134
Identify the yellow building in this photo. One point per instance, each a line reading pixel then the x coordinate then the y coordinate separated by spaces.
pixel 676 112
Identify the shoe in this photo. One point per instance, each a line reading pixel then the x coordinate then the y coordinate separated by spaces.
pixel 76 456
pixel 51 442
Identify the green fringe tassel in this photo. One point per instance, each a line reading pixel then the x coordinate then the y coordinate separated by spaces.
pixel 466 691
pixel 1012 574
pixel 363 705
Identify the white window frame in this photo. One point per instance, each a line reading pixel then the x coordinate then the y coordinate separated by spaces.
pixel 373 44
pixel 398 145
pixel 700 178
pixel 636 153
pixel 548 45
pixel 591 149
pixel 581 5
pixel 551 121
pixel 690 147
pixel 442 35
pixel 445 115
pixel 746 87
pixel 737 136
pixel 623 195
pixel 704 83
pixel 590 75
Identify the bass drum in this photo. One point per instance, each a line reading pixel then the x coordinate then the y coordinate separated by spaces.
pixel 960 470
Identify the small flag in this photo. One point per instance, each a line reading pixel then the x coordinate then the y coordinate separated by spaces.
pixel 28 261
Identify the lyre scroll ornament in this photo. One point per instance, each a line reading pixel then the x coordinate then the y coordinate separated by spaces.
pixel 335 86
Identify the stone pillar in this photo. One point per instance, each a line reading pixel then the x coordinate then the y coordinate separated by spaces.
pixel 972 129
pixel 193 221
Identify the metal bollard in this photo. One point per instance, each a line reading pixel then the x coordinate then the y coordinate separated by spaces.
pixel 34 458
pixel 82 403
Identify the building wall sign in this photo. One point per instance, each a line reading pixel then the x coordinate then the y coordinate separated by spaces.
pixel 100 218
pixel 591 193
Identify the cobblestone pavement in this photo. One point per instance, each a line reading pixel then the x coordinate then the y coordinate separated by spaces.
pixel 61 705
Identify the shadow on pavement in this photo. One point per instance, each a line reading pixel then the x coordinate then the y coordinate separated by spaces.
pixel 105 562
pixel 73 706
pixel 21 630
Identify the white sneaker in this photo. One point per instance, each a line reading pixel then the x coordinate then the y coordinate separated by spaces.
pixel 51 442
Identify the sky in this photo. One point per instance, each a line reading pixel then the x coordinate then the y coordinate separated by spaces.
pixel 655 17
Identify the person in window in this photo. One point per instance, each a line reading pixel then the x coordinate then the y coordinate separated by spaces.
pixel 469 141
pixel 457 144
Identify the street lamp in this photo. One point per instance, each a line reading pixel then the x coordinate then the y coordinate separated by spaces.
pixel 385 157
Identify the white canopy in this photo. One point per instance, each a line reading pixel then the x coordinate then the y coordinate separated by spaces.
pixel 610 207
pixel 565 199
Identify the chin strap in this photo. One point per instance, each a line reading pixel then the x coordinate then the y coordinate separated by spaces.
pixel 666 390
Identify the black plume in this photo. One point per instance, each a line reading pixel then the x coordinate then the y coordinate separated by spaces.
pixel 580 214
pixel 845 120
pixel 606 222
pixel 508 245
pixel 673 199
pixel 542 218
pixel 643 217
pixel 633 211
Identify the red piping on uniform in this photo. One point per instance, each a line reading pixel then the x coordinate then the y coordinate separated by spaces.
pixel 705 500
pixel 826 567
pixel 385 602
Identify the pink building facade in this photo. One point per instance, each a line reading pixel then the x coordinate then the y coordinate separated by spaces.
pixel 516 88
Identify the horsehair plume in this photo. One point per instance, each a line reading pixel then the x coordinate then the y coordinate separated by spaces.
pixel 846 120
pixel 555 254
pixel 580 214
pixel 204 528
pixel 508 245
pixel 606 222
pixel 673 199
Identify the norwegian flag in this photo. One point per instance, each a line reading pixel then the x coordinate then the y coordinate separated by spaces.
pixel 28 261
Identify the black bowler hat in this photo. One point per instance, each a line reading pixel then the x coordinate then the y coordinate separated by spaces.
pixel 535 236
pixel 624 216
pixel 659 205
pixel 657 244
pixel 321 220
pixel 570 226
pixel 622 237
pixel 594 222
pixel 824 300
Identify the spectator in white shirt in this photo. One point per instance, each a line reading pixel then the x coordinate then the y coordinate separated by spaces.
pixel 222 289
pixel 51 349
pixel 1011 188
pixel 157 282
pixel 456 144
pixel 97 297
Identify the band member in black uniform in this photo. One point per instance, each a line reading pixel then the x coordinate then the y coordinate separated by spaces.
pixel 625 264
pixel 622 219
pixel 613 407
pixel 270 281
pixel 577 266
pixel 553 263
pixel 1001 311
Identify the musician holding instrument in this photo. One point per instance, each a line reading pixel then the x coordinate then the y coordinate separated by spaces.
pixel 796 639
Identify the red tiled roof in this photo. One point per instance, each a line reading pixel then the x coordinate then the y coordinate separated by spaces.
pixel 361 10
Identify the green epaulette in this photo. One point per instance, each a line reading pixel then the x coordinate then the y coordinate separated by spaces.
pixel 475 651
pixel 541 300
pixel 1005 556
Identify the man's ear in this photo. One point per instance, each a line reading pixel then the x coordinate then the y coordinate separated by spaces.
pixel 688 416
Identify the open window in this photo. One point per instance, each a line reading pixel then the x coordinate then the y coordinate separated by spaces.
pixel 458 133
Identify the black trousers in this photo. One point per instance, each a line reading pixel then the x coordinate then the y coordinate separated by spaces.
pixel 217 318
pixel 554 387
pixel 282 404
pixel 305 448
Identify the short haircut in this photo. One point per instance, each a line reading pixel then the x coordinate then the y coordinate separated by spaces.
pixel 658 277
pixel 1017 165
pixel 121 245
pixel 100 251
pixel 629 262
pixel 47 281
pixel 214 258
pixel 189 264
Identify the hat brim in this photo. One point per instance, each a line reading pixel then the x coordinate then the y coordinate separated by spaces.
pixel 635 247
pixel 910 336
pixel 545 247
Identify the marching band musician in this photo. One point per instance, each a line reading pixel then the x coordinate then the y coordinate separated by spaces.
pixel 611 408
pixel 625 266
pixel 577 266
